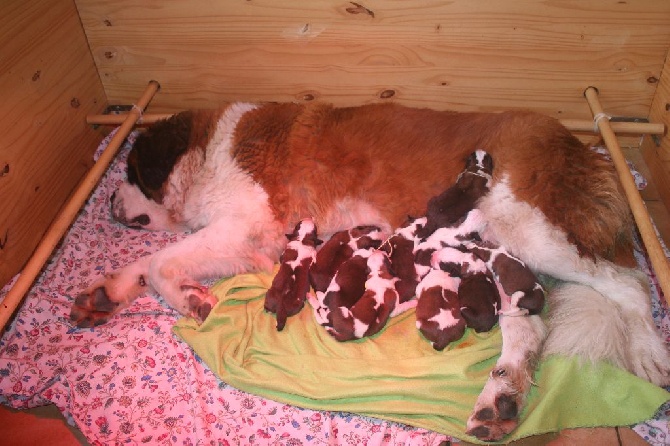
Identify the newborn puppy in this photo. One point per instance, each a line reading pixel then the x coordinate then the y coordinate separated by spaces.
pixel 477 291
pixel 453 237
pixel 516 280
pixel 290 285
pixel 370 312
pixel 451 207
pixel 480 301
pixel 400 250
pixel 344 290
pixel 337 250
pixel 438 314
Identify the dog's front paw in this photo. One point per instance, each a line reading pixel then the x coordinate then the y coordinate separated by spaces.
pixel 496 412
pixel 92 308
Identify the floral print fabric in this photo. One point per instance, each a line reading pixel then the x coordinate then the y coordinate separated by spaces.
pixel 132 381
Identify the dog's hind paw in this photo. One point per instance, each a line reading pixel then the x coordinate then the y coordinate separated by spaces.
pixel 649 355
pixel 200 300
pixel 92 308
pixel 496 412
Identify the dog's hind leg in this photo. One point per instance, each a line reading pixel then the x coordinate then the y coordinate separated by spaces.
pixel 526 233
pixel 497 409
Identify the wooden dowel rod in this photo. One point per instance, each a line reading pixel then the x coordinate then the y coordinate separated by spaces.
pixel 644 224
pixel 69 211
pixel 635 128
pixel 575 125
pixel 118 119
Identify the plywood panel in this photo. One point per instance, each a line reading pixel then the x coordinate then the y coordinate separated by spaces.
pixel 656 156
pixel 463 54
pixel 48 83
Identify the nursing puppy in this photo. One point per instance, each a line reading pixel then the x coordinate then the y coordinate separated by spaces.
pixel 438 310
pixel 477 291
pixel 286 296
pixel 451 207
pixel 355 308
pixel 241 177
pixel 339 248
pixel 400 250
pixel 516 280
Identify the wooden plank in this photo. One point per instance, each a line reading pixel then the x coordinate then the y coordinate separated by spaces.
pixel 70 210
pixel 49 84
pixel 656 157
pixel 461 55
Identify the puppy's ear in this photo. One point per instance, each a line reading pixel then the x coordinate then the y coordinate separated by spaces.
pixel 471 160
pixel 488 163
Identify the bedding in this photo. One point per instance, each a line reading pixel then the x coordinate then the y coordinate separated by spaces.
pixel 133 380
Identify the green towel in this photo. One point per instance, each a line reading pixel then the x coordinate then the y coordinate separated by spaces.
pixel 396 374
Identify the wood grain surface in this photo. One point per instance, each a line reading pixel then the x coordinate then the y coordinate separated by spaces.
pixel 48 84
pixel 462 54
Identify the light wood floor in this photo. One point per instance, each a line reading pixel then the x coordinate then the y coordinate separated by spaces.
pixel 45 425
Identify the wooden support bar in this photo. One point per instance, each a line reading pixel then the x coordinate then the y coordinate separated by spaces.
pixel 575 125
pixel 69 211
pixel 632 128
pixel 656 255
pixel 118 119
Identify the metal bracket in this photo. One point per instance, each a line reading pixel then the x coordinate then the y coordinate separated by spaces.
pixel 114 110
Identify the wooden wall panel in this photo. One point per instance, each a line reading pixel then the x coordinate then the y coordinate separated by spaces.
pixel 461 54
pixel 657 157
pixel 48 83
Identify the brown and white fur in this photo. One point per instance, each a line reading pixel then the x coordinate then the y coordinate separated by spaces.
pixel 478 294
pixel 286 296
pixel 361 297
pixel 339 248
pixel 242 176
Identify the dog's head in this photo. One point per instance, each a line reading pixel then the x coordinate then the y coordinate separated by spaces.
pixel 156 151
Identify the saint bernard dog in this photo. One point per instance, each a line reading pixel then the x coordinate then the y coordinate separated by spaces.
pixel 240 177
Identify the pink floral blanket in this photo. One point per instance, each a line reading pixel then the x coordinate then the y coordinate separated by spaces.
pixel 133 381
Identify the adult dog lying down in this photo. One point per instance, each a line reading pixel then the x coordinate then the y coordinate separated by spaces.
pixel 243 176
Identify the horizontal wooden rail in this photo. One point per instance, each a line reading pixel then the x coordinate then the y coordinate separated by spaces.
pixel 575 125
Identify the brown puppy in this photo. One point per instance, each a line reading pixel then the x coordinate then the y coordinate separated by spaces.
pixel 290 285
pixel 339 248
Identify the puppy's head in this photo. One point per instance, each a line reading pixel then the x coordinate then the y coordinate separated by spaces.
pixel 480 162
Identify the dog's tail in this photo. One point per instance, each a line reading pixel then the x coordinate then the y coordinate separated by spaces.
pixel 589 327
